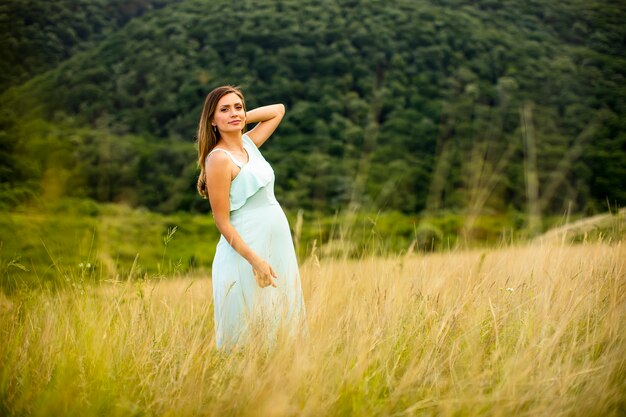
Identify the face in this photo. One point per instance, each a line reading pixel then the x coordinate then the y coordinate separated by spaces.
pixel 229 114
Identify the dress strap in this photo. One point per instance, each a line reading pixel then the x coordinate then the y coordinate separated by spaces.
pixel 236 162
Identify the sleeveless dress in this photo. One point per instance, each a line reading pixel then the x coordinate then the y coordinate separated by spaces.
pixel 240 305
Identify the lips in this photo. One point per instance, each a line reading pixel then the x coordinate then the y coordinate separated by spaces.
pixel 234 122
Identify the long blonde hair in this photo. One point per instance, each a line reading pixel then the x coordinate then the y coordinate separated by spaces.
pixel 207 136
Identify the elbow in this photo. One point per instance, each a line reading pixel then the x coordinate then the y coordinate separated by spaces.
pixel 222 224
pixel 281 110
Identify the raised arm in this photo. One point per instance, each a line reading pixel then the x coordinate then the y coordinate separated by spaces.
pixel 218 179
pixel 268 118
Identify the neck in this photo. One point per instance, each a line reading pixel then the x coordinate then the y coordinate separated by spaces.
pixel 232 140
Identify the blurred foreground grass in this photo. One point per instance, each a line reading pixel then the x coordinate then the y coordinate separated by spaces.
pixel 519 330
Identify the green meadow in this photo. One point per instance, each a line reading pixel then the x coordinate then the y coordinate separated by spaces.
pixel 70 238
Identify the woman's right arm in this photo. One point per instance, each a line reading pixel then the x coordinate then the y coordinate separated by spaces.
pixel 218 181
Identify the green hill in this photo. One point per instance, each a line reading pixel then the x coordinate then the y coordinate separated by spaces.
pixel 410 106
pixel 37 35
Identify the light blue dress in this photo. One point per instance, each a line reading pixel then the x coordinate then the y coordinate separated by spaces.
pixel 240 304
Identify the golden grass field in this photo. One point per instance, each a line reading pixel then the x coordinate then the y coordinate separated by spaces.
pixel 513 331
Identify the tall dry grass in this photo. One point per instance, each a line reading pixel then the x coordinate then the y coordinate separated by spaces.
pixel 535 330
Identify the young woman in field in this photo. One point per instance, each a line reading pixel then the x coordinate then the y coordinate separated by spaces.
pixel 256 281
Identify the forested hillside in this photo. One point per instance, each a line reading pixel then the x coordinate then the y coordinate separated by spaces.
pixel 408 106
pixel 37 35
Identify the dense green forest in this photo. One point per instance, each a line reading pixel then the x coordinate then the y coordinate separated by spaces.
pixel 411 106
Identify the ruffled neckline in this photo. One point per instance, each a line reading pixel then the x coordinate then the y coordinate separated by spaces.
pixel 255 174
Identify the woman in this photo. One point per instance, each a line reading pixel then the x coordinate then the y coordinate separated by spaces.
pixel 256 282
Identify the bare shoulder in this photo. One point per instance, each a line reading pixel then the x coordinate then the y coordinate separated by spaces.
pixel 219 159
pixel 218 163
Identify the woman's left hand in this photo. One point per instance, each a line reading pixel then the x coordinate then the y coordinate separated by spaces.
pixel 264 275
